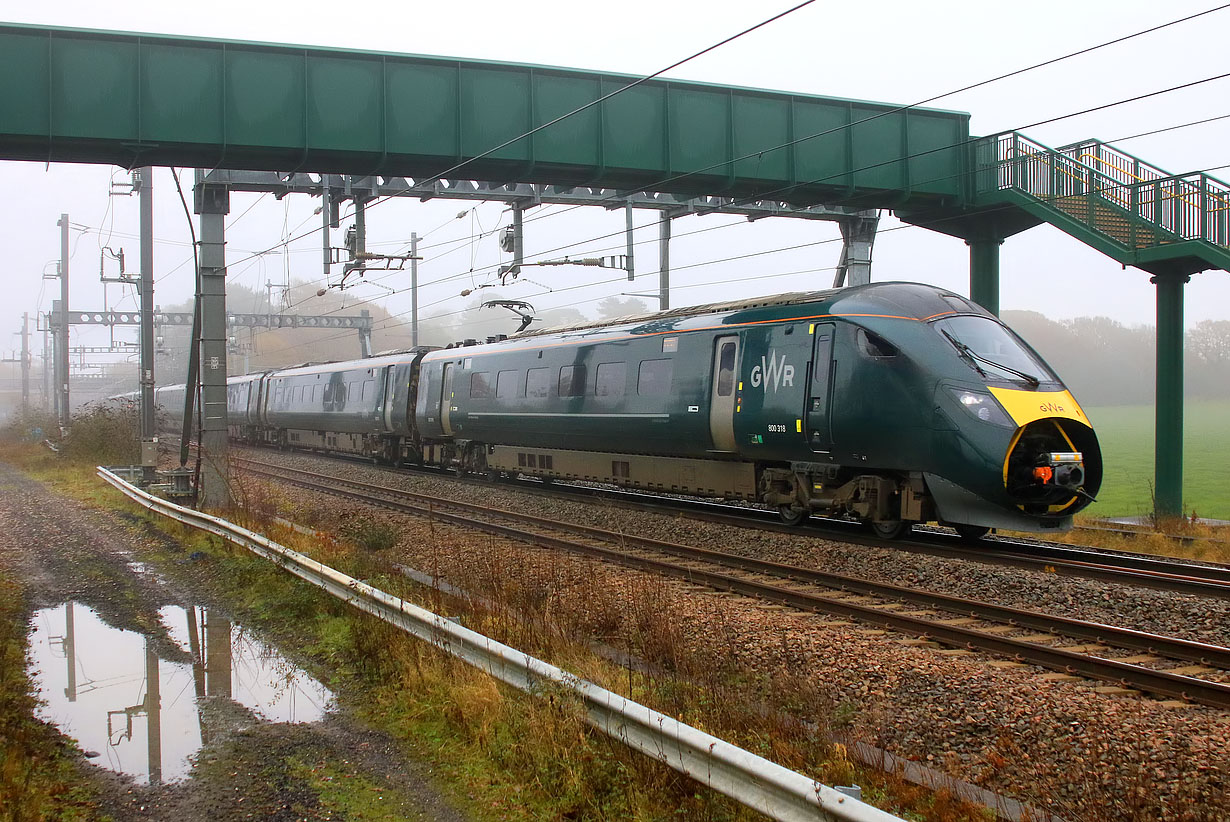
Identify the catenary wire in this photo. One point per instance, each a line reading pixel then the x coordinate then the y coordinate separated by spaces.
pixel 899 109
pixel 1083 51
pixel 386 321
pixel 961 144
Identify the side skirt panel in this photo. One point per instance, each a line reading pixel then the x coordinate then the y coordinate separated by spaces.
pixel 710 478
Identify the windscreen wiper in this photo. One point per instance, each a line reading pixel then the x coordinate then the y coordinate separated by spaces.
pixel 975 358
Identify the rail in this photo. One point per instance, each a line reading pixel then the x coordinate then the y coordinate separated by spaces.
pixel 740 579
pixel 764 786
pixel 1077 179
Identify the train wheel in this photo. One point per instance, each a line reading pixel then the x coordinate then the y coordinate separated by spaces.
pixel 791 515
pixel 971 532
pixel 890 528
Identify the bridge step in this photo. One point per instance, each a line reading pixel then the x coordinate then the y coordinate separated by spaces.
pixel 1112 195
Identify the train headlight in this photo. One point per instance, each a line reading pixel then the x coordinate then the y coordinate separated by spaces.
pixel 983 406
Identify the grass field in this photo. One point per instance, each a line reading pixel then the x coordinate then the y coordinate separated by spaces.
pixel 1126 435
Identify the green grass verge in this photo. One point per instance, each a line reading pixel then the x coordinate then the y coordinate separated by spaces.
pixel 1126 436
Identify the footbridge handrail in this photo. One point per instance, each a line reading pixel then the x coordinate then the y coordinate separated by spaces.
pixel 1083 177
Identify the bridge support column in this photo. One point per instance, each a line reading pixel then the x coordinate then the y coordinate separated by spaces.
pixel 62 365
pixel 365 336
pixel 984 271
pixel 1168 402
pixel 631 246
pixel 858 234
pixel 149 428
pixel 213 204
pixel 664 260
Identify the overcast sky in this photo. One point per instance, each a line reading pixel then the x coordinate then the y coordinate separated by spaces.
pixel 897 52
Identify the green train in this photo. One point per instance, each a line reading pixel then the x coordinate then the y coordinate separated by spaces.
pixel 890 404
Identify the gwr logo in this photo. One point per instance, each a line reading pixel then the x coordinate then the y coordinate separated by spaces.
pixel 1051 408
pixel 773 371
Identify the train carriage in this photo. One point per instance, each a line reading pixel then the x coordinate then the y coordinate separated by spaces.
pixel 890 403
pixel 885 402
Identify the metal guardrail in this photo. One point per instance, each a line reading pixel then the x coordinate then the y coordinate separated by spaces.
pixel 764 786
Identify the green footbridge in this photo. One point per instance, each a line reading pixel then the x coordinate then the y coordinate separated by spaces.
pixel 73 95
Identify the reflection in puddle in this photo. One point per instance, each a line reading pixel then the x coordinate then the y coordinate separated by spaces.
pixel 146 716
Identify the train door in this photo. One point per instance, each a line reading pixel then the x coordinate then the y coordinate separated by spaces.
pixel 390 390
pixel 446 399
pixel 722 406
pixel 819 391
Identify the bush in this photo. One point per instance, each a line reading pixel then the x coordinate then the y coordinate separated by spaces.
pixel 104 434
pixel 372 536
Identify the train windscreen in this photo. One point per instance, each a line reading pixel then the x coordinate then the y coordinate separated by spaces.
pixel 994 350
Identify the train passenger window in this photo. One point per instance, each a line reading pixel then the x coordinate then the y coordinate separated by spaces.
pixel 538 382
pixel 612 379
pixel 480 385
pixel 726 370
pixel 654 379
pixel 572 381
pixel 506 384
pixel 873 345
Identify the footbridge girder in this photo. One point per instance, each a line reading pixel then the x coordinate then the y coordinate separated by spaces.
pixel 75 95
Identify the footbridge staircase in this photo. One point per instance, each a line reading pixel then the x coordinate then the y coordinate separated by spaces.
pixel 1134 212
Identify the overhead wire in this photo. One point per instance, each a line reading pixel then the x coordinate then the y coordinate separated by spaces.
pixel 443 174
pixel 934 98
pixel 760 153
pixel 463 242
pixel 385 322
pixel 1170 128
pixel 949 147
pixel 766 195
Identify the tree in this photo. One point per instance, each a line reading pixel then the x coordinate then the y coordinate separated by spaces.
pixel 613 308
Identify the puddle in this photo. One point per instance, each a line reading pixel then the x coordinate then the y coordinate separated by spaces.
pixel 146 716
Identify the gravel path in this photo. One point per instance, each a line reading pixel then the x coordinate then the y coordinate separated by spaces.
pixel 1013 729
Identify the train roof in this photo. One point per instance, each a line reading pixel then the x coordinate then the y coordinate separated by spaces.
pixel 915 301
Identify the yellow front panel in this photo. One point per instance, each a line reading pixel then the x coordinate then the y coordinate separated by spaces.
pixel 1027 406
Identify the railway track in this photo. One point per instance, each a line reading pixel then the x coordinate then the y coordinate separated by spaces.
pixel 1143 570
pixel 1150 571
pixel 1131 660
